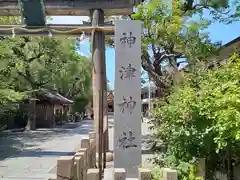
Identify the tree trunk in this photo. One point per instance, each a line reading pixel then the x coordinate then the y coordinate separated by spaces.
pixel 154 73
pixel 31 124
pixel 230 174
pixel 210 168
pixel 65 111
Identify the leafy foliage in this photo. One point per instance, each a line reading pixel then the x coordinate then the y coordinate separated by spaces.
pixel 226 11
pixel 29 64
pixel 200 119
pixel 74 81
pixel 170 36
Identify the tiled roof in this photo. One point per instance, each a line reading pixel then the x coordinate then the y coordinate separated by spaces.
pixel 53 97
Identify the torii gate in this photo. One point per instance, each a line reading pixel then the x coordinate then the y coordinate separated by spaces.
pixel 33 13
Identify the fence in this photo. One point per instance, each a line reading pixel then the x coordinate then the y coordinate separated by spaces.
pixel 82 166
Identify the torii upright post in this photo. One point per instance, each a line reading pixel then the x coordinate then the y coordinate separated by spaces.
pixel 99 65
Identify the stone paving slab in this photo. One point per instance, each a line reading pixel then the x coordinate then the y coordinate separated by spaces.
pixel 34 154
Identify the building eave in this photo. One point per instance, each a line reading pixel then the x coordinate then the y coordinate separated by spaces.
pixel 226 50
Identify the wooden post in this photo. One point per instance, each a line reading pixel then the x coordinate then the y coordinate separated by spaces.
pixel 105 138
pixel 144 174
pixel 169 174
pixel 98 50
pixel 94 100
pixel 93 152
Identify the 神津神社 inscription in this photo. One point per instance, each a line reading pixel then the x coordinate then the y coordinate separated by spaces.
pixel 127 39
pixel 127 104
pixel 128 72
pixel 127 97
pixel 127 140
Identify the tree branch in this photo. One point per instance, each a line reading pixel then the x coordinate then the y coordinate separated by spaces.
pixel 147 66
pixel 71 93
pixel 35 57
pixel 162 56
pixel 40 84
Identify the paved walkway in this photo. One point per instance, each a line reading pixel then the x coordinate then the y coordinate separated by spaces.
pixel 33 155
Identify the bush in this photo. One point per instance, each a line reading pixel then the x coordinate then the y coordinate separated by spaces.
pixel 9 105
pixel 201 119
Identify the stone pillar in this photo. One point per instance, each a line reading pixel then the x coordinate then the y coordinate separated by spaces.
pixel 92 137
pixel 127 97
pixel 85 143
pixel 65 167
pixel 93 174
pixel 144 174
pixel 169 174
pixel 119 174
pixel 108 174
pixel 80 174
pixel 83 155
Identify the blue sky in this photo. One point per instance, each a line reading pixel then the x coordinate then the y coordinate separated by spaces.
pixel 217 31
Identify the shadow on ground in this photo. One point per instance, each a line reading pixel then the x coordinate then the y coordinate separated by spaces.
pixel 43 153
pixel 16 144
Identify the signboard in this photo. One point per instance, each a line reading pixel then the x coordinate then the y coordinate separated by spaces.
pixel 127 96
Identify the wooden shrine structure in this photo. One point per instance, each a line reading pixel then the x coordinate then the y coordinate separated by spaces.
pixel 33 14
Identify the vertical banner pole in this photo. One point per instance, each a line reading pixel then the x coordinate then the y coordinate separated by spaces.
pixel 127 97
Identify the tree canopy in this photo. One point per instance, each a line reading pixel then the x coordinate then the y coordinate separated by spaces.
pixel 29 64
pixel 198 116
pixel 174 33
pixel 200 119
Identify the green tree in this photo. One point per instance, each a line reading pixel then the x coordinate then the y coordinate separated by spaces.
pixel 74 81
pixel 32 63
pixel 225 11
pixel 169 38
pixel 200 119
pixel 29 64
pixel 174 32
pixel 9 96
